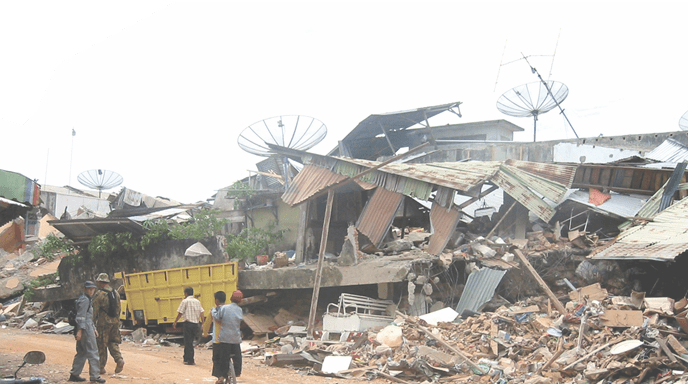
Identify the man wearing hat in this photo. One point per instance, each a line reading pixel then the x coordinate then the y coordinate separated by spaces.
pixel 107 326
pixel 227 335
pixel 85 335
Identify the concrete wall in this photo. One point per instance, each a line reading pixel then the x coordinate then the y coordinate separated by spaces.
pixel 544 151
pixel 74 270
pixel 55 203
pixel 287 220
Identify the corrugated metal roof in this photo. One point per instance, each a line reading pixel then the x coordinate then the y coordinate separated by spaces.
pixel 81 231
pixel 523 195
pixel 443 222
pixel 367 131
pixel 419 180
pixel 308 182
pixel 378 214
pixel 161 214
pixel 461 176
pixel 662 239
pixel 311 180
pixel 480 287
pixel 12 202
pixel 562 174
pixel 669 151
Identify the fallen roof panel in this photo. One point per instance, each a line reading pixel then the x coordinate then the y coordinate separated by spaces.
pixel 663 239
pixel 81 231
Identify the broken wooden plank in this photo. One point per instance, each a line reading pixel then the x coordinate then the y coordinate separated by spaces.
pixel 260 323
pixel 590 292
pixel 622 318
pixel 541 283
pixel 585 357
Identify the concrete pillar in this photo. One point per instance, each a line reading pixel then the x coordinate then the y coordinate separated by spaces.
pixel 385 291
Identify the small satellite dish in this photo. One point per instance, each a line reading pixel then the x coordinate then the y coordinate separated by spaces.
pixel 100 179
pixel 683 122
pixel 296 132
pixel 532 99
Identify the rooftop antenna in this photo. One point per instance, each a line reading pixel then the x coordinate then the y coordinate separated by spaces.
pixel 532 99
pixel 292 131
pixel 100 179
pixel 683 122
pixel 549 91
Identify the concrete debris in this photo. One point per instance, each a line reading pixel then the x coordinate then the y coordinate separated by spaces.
pixel 596 339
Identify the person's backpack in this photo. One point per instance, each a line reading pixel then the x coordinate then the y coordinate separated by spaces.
pixel 112 309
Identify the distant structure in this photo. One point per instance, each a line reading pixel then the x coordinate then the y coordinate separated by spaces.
pixel 532 99
pixel 292 131
pixel 683 122
pixel 100 179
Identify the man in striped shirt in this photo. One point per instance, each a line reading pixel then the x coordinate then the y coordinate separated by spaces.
pixel 192 311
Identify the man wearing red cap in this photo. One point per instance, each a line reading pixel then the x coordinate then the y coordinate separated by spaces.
pixel 226 335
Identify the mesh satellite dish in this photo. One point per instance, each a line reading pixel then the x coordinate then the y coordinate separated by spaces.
pixel 296 132
pixel 100 179
pixel 532 99
pixel 683 122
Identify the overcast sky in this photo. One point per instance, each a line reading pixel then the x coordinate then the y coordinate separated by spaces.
pixel 158 91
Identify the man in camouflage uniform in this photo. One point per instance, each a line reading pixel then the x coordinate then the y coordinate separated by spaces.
pixel 107 326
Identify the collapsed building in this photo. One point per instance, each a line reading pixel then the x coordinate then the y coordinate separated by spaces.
pixel 452 223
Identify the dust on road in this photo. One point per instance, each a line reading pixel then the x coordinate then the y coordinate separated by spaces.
pixel 150 364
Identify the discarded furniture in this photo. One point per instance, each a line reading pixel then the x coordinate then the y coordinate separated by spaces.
pixel 357 313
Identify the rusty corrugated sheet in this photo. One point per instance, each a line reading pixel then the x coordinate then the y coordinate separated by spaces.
pixel 308 182
pixel 562 174
pixel 443 225
pixel 549 189
pixel 378 214
pixel 523 195
pixel 461 176
pixel 663 239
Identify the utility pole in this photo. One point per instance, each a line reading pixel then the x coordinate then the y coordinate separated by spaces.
pixel 71 156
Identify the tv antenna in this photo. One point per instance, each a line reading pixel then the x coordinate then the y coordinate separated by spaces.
pixel 100 179
pixel 292 131
pixel 502 63
pixel 532 99
pixel 683 122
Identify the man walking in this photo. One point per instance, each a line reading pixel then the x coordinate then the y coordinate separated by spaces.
pixel 192 311
pixel 85 335
pixel 226 335
pixel 107 325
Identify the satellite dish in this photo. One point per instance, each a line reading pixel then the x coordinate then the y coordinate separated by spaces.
pixel 100 179
pixel 532 99
pixel 683 122
pixel 296 132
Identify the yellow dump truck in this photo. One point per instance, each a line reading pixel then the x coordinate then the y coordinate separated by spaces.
pixel 152 298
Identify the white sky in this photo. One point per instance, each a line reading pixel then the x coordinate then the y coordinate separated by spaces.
pixel 158 91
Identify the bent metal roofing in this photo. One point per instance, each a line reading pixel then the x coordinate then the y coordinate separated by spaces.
pixel 525 181
pixel 662 239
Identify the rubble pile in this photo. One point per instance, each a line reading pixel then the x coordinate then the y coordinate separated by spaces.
pixel 599 338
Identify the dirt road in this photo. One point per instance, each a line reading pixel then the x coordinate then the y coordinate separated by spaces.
pixel 150 364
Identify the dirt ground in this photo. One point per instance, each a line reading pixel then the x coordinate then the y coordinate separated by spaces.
pixel 150 364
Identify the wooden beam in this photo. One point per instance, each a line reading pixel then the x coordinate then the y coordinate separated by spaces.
pixel 321 257
pixel 501 219
pixel 541 283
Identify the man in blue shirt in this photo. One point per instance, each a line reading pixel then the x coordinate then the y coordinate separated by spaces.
pixel 226 335
pixel 85 334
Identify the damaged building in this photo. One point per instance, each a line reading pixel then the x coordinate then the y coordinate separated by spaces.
pixel 405 216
